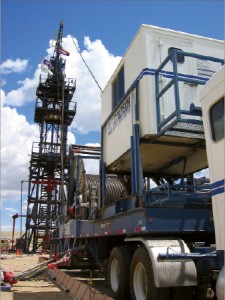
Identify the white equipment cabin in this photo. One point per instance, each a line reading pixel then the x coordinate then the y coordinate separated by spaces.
pixel 131 97
pixel 212 100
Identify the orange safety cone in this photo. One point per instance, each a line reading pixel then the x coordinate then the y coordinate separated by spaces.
pixel 17 252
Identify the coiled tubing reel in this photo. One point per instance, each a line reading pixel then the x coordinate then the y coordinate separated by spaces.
pixel 86 193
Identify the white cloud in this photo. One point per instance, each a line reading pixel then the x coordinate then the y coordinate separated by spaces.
pixel 3 81
pixel 14 66
pixel 92 165
pixel 88 96
pixel 2 98
pixel 70 138
pixel 102 64
pixel 202 173
pixel 24 207
pixel 17 136
pixel 11 210
pixel 25 93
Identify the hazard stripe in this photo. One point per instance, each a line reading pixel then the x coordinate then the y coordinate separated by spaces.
pixel 85 291
pixel 78 288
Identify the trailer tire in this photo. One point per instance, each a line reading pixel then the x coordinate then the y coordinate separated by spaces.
pixel 201 293
pixel 142 278
pixel 182 292
pixel 118 273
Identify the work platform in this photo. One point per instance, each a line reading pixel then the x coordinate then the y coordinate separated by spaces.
pixel 52 88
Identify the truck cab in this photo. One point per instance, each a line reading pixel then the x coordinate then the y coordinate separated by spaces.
pixel 212 102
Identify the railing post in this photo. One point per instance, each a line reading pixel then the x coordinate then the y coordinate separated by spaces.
pixel 176 81
pixel 157 99
pixel 133 182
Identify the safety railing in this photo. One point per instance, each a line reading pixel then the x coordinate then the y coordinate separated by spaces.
pixel 180 122
pixel 178 195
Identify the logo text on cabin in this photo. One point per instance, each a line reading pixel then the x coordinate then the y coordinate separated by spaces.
pixel 119 115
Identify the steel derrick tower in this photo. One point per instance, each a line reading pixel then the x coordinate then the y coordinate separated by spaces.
pixel 48 171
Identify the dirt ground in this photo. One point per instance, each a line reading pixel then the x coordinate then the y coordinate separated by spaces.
pixel 41 287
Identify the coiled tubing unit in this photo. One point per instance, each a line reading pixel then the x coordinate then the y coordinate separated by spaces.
pixel 114 189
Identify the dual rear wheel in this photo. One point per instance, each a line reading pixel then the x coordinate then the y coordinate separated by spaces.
pixel 142 278
pixel 118 273
pixel 133 278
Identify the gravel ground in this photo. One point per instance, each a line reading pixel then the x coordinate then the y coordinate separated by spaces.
pixel 41 287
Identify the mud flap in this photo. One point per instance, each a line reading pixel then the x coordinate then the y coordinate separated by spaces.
pixel 167 273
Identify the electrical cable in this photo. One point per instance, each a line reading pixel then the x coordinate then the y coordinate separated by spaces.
pixel 85 63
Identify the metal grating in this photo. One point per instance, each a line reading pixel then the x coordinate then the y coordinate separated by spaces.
pixel 187 130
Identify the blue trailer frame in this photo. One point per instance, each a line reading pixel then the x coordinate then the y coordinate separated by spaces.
pixel 168 210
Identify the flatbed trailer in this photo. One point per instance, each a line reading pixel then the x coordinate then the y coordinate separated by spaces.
pixel 152 243
pixel 171 224
pixel 145 221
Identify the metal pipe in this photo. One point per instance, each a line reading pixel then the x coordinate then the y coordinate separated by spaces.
pixel 184 256
pixel 13 231
pixel 21 210
pixel 30 271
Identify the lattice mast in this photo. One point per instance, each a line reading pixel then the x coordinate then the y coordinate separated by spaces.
pixel 54 112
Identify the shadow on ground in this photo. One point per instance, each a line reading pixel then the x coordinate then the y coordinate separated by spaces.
pixel 40 295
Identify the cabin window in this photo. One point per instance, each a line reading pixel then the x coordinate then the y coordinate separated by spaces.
pixel 118 87
pixel 180 56
pixel 217 120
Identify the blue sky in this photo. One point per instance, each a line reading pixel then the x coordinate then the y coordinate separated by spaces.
pixel 103 30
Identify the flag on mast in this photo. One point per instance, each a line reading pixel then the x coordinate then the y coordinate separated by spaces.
pixel 47 63
pixel 63 51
